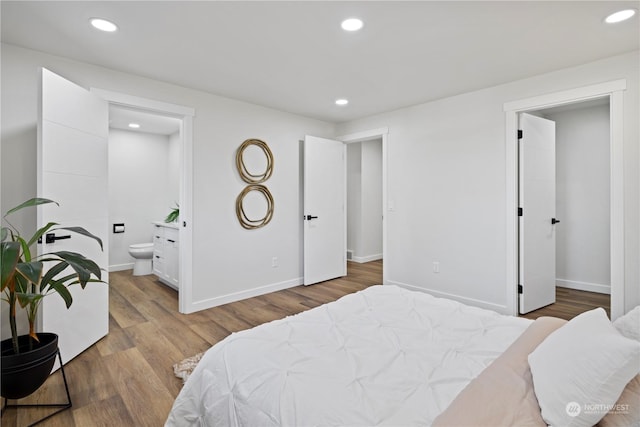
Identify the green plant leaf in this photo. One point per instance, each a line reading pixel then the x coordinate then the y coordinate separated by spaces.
pixel 83 285
pixel 84 232
pixel 21 283
pixel 32 271
pixel 52 273
pixel 26 298
pixel 26 252
pixel 5 233
pixel 83 266
pixel 40 233
pixel 63 280
pixel 31 202
pixel 10 256
pixel 64 293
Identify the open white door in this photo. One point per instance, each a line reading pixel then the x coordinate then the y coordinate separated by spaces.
pixel 537 192
pixel 325 217
pixel 72 170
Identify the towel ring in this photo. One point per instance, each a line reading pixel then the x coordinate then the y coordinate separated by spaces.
pixel 245 221
pixel 242 168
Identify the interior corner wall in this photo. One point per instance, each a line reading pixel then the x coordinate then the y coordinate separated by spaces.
pixel 221 247
pixel 446 179
pixel 583 198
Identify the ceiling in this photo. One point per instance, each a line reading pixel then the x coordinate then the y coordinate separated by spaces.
pixel 293 56
pixel 120 118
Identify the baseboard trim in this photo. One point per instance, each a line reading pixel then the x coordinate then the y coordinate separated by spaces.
pixel 121 267
pixel 503 309
pixel 363 259
pixel 584 286
pixel 249 293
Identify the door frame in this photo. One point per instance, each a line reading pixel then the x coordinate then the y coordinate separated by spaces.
pixel 185 114
pixel 366 136
pixel 614 91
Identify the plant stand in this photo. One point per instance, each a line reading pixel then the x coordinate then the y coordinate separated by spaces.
pixel 62 406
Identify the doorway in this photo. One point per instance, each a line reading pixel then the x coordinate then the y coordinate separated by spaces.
pixel 579 207
pixel 612 90
pixel 364 201
pixel 184 116
pixel 381 136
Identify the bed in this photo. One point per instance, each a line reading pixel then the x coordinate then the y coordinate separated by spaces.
pixel 382 356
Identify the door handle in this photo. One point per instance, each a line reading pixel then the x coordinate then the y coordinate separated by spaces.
pixel 310 217
pixel 554 221
pixel 51 237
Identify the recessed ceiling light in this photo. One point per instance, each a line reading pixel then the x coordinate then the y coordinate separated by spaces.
pixel 103 25
pixel 342 101
pixel 134 125
pixel 352 24
pixel 620 16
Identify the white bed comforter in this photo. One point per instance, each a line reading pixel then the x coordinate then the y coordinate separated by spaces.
pixel 383 356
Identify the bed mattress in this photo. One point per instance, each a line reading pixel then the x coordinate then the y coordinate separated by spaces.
pixel 382 356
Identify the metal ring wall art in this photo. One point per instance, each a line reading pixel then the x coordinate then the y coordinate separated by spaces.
pixel 254 181
pixel 242 168
pixel 247 222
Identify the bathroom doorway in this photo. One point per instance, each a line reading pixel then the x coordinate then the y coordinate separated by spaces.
pixel 144 181
pixel 170 126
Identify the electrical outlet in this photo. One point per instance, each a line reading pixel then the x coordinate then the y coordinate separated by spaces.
pixel 274 262
pixel 436 266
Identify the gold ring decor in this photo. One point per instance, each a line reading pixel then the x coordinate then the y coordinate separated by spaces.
pixel 245 221
pixel 242 168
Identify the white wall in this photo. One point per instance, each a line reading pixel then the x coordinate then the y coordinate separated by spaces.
pixel 222 249
pixel 173 167
pixel 142 189
pixel 582 198
pixel 354 195
pixel 446 177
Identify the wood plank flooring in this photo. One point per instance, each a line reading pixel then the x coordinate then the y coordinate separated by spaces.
pixel 570 302
pixel 126 379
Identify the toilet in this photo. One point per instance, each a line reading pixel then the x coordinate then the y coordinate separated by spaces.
pixel 143 253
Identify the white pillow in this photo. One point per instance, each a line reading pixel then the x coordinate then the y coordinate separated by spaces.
pixel 629 324
pixel 580 370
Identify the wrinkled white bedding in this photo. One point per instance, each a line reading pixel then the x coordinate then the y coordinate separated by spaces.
pixel 383 356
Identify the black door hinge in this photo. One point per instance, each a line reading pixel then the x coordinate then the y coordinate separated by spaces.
pixel 520 212
pixel 519 289
pixel 519 134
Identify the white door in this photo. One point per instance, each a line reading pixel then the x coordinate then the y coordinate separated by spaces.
pixel 325 219
pixel 537 194
pixel 72 170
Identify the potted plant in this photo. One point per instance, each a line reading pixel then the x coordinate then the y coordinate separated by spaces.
pixel 27 360
pixel 173 215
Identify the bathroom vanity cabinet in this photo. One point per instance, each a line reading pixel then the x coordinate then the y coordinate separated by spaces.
pixel 166 253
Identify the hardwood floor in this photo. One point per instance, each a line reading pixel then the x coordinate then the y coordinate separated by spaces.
pixel 570 302
pixel 126 379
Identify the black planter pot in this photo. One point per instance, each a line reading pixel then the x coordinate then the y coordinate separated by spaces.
pixel 24 373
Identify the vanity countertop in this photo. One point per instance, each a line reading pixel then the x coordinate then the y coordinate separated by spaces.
pixel 166 224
